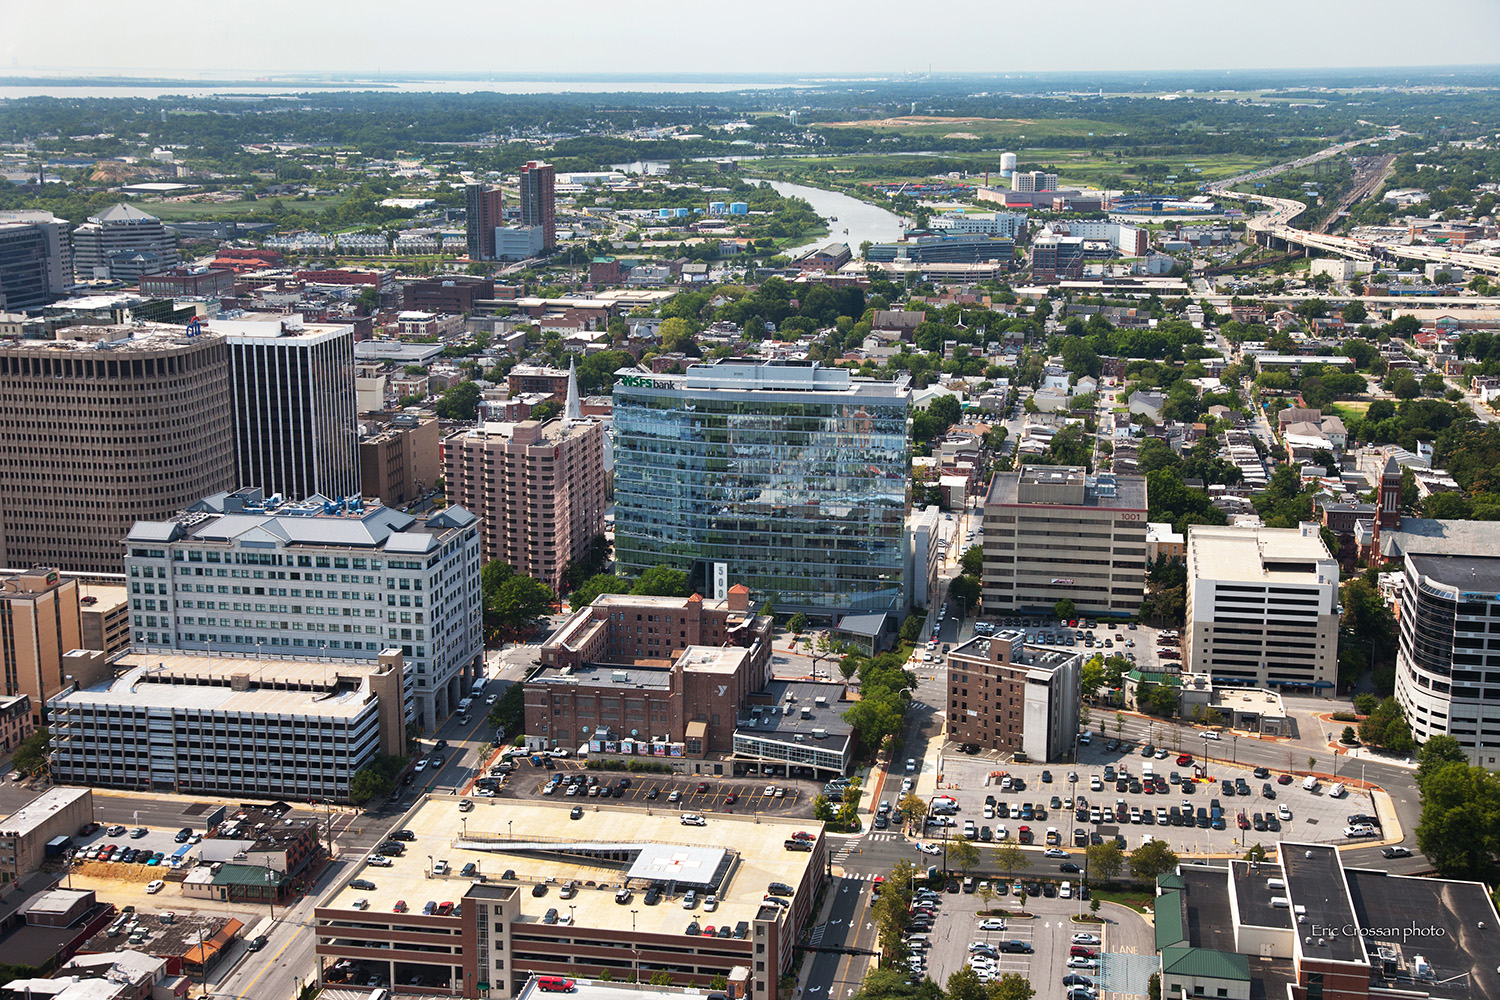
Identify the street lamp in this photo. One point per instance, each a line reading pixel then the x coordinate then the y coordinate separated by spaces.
pixel 271 890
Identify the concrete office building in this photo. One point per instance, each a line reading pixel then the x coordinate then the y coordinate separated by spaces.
pixel 1262 607
pixel 787 476
pixel 400 455
pixel 539 201
pixel 1033 180
pixel 57 812
pixel 519 242
pixel 1055 532
pixel 537 487
pixel 122 243
pixel 40 625
pixel 927 551
pixel 488 931
pixel 1005 695
pixel 102 434
pixel 345 578
pixel 36 261
pixel 1446 661
pixel 294 405
pixel 658 677
pixel 223 725
pixel 484 210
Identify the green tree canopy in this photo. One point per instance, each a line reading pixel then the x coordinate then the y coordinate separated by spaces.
pixel 1153 859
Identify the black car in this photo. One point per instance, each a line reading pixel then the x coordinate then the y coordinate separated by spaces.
pixel 391 849
pixel 540 889
pixel 362 883
pixel 184 835
pixel 257 943
pixel 1077 980
pixel 651 795
pixel 406 835
pixel 1068 866
pixel 653 895
pixel 440 745
pixel 469 870
pixel 1261 772
pixel 952 885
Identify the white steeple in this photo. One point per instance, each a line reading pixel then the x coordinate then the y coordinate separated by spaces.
pixel 574 408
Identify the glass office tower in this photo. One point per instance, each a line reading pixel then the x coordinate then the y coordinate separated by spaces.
pixel 787 477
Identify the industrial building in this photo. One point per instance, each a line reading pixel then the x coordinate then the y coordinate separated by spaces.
pixel 231 725
pixel 1262 607
pixel 1055 533
pixel 348 578
pixel 26 833
pixel 1005 695
pixel 70 493
pixel 481 901
pixel 786 476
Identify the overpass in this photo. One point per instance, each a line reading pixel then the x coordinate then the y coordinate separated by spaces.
pixel 1273 229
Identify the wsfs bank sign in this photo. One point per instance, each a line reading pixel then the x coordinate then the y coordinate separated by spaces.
pixel 647 382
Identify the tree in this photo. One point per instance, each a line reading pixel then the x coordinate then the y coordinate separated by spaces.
pixel 964 590
pixel 965 985
pixel 460 403
pixel 600 583
pixel 511 601
pixel 1009 857
pixel 662 581
pixel 661 977
pixel 1105 861
pixel 797 624
pixel 1365 703
pixel 911 628
pixel 1437 753
pixel 1011 986
pixel 1064 609
pixel 1459 831
pixel 962 854
pixel 973 561
pixel 912 808
pixel 31 755
pixel 1153 859
pixel 1348 737
pixel 986 894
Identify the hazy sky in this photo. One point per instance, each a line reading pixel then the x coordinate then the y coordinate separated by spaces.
pixel 182 39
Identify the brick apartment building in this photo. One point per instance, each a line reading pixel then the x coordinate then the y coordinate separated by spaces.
pixel 1003 695
pixel 538 488
pixel 649 672
pixel 455 294
pixel 398 455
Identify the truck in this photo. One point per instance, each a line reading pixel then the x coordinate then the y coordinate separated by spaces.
pixel 478 687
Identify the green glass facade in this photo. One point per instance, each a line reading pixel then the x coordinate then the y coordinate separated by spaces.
pixel 790 479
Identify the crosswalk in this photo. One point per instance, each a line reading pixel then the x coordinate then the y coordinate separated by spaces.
pixel 878 837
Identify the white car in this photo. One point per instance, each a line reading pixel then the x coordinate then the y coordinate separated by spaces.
pixel 1055 852
pixel 693 819
pixel 1083 963
pixel 420 765
pixel 559 752
pixel 992 924
pixel 911 764
pixel 491 699
pixel 710 904
pixel 929 848
pixel 1085 738
pixel 378 861
pixel 155 886
pixel 770 790
pixel 1210 736
pixel 1085 939
pixel 1284 812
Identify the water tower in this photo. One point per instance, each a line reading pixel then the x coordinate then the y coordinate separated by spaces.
pixel 1007 164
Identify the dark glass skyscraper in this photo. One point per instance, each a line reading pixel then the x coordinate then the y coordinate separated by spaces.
pixel 484 210
pixel 785 476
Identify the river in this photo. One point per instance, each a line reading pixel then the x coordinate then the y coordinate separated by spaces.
pixel 862 220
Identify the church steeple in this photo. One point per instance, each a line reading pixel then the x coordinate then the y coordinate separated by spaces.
pixel 573 410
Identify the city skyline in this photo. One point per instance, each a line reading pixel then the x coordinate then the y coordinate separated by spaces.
pixel 782 38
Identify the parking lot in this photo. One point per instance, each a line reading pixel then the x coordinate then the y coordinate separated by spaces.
pixel 1048 931
pixel 1108 780
pixel 690 793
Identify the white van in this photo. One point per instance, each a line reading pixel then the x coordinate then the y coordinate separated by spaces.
pixel 464 703
pixel 1337 790
pixel 1310 782
pixel 1147 774
pixel 1065 891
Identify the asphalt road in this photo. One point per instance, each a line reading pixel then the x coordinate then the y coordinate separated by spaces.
pixel 831 975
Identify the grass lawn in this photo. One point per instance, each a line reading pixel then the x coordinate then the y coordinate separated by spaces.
pixel 1351 408
pixel 172 210
pixel 1138 899
pixel 1000 130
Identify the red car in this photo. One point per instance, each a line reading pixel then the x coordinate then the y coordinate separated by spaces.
pixel 731 799
pixel 1185 760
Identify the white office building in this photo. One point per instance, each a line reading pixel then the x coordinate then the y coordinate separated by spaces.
pixel 1262 607
pixel 122 243
pixel 239 572
pixel 1009 225
pixel 294 405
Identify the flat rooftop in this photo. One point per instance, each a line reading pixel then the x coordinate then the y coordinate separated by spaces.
pixel 1129 492
pixel 1253 896
pixel 1466 573
pixel 790 699
pixel 1259 555
pixel 41 809
pixel 1452 925
pixel 530 840
pixel 1315 885
pixel 275 687
pixel 1207 917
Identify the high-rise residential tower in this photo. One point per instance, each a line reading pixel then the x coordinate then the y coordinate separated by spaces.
pixel 122 243
pixel 132 424
pixel 786 476
pixel 539 200
pixel 484 210
pixel 295 428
